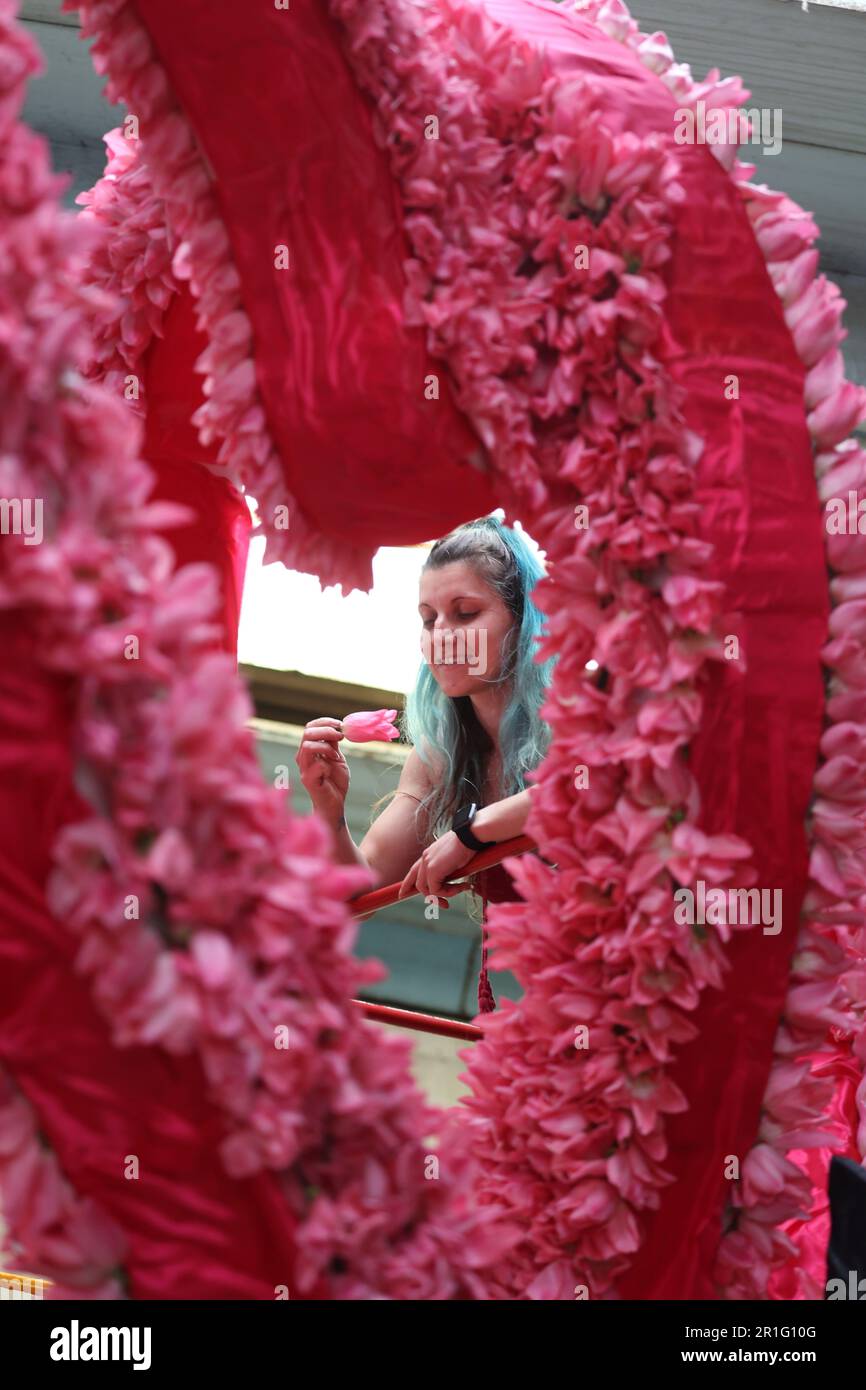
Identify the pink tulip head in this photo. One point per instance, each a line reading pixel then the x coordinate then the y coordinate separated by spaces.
pixel 368 725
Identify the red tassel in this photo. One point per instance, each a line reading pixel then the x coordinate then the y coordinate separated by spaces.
pixel 486 1001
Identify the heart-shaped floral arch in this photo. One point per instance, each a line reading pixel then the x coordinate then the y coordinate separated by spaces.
pixel 582 288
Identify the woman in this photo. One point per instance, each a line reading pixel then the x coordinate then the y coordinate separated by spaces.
pixel 473 720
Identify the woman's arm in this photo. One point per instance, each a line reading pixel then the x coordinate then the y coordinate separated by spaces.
pixel 448 855
pixel 393 842
pixel 502 820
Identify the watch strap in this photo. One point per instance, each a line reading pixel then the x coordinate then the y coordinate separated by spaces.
pixel 465 835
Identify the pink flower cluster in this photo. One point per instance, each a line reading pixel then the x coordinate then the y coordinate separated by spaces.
pixel 209 917
pixel 558 366
pixel 816 1095
pixel 130 270
pixel 54 1233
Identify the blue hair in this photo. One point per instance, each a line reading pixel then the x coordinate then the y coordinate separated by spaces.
pixel 447 727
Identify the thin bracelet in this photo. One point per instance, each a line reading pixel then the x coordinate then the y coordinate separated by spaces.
pixel 409 794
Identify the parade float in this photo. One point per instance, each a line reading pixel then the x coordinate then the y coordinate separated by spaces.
pixel 430 259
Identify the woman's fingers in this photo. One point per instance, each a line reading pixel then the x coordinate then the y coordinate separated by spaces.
pixel 434 879
pixel 435 882
pixel 315 749
pixel 422 878
pixel 320 738
pixel 310 762
pixel 409 882
pixel 311 752
pixel 319 743
pixel 412 885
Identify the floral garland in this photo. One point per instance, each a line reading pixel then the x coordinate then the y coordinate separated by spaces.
pixel 779 1213
pixel 131 266
pixel 48 1229
pixel 209 917
pixel 66 1239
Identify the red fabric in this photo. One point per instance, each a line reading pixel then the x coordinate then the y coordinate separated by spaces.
pixel 220 533
pixel 193 1232
pixel 341 376
pixel 497 886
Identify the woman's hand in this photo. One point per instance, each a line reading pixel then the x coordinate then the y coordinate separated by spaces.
pixel 439 861
pixel 324 771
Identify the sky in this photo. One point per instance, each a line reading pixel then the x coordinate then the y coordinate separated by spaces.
pixel 289 623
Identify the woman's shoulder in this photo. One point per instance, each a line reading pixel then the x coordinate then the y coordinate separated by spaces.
pixel 422 768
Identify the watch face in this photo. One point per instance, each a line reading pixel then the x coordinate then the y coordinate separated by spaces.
pixel 464 816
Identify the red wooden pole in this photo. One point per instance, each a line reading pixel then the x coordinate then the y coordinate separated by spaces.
pixel 420 1023
pixel 368 903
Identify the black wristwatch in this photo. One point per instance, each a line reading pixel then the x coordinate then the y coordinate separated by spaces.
pixel 461 823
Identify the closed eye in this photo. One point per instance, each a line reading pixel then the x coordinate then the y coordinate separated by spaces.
pixel 461 617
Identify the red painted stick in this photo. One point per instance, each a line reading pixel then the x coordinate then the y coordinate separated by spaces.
pixel 368 903
pixel 420 1023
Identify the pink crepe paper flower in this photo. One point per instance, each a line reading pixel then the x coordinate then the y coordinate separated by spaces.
pixel 369 725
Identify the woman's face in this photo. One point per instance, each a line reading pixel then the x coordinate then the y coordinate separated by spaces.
pixel 464 625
